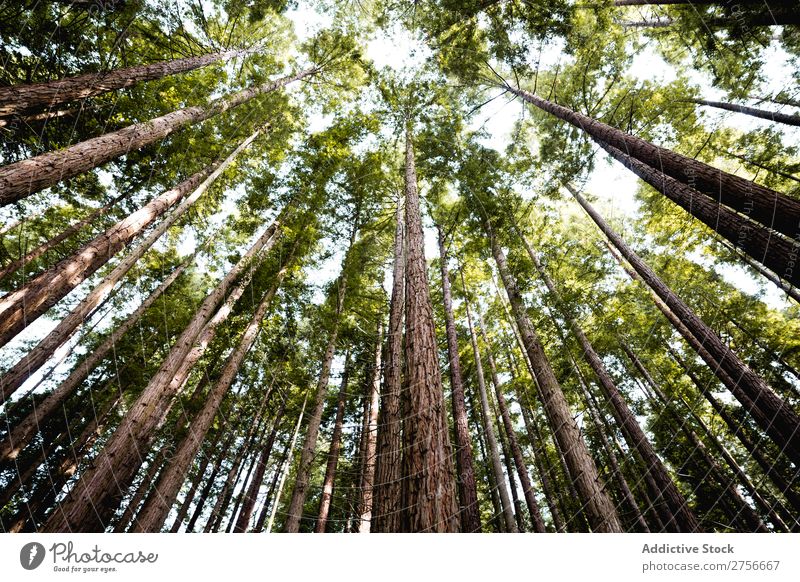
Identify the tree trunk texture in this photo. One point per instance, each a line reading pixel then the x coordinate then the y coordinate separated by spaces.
pixel 26 177
pixel 759 203
pixel 763 245
pixel 772 413
pixel 21 307
pixel 430 501
pixel 30 98
pixel 597 504
pixel 773 116
pixel 22 432
pixel 371 439
pixel 98 490
pixel 388 466
pixel 467 488
pixel 333 452
pixel 488 428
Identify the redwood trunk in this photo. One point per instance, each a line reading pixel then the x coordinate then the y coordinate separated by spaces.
pixel 388 468
pixel 467 488
pixel 430 501
pixel 23 99
pixel 596 503
pixel 752 111
pixel 772 413
pixel 21 179
pixel 759 203
pixel 371 438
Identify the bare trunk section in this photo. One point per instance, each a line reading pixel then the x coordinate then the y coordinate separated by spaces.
pixel 772 413
pixel 516 451
pixel 23 306
pixel 430 501
pixel 21 179
pixel 467 489
pixel 97 490
pixel 624 416
pixel 23 99
pixel 751 111
pixel 388 467
pixel 488 429
pixel 371 438
pixel 766 247
pixel 333 452
pixel 22 433
pixel 596 503
pixel 759 203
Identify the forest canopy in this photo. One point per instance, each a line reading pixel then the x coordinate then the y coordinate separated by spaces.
pixel 393 266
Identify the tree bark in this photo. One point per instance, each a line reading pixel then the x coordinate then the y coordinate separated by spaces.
pixel 30 98
pixel 333 452
pixel 772 413
pixel 763 245
pixel 26 177
pixel 623 415
pixel 429 493
pixel 773 116
pixel 97 491
pixel 370 459
pixel 488 428
pixel 596 503
pixel 22 433
pixel 467 488
pixel 759 203
pixel 23 306
pixel 388 466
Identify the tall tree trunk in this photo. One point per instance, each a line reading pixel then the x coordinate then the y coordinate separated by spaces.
pixel 467 489
pixel 759 203
pixel 333 452
pixel 21 179
pixel 97 490
pixel 300 492
pixel 516 451
pixel 430 500
pixel 29 98
pixel 152 516
pixel 488 427
pixel 183 511
pixel 249 500
pixel 23 306
pixel 771 412
pixel 624 416
pixel 388 467
pixel 370 458
pixel 23 261
pixel 597 505
pixel 22 432
pixel 774 116
pixel 519 511
pixel 763 245
pixel 270 499
pixel 145 486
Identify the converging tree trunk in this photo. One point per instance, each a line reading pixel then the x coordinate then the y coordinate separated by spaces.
pixel 371 438
pixel 775 116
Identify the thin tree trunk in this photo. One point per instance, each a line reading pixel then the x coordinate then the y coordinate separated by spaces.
pixel 22 99
pixel 772 413
pixel 333 452
pixel 516 451
pixel 467 489
pixel 23 306
pixel 774 116
pixel 759 203
pixel 623 415
pixel 370 459
pixel 488 427
pixel 519 511
pixel 269 500
pixel 21 179
pixel 598 506
pixel 22 433
pixel 763 245
pixel 430 501
pixel 23 261
pixel 145 486
pixel 183 511
pixel 97 490
pixel 388 467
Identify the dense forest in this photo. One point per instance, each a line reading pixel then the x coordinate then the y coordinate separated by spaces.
pixel 394 266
